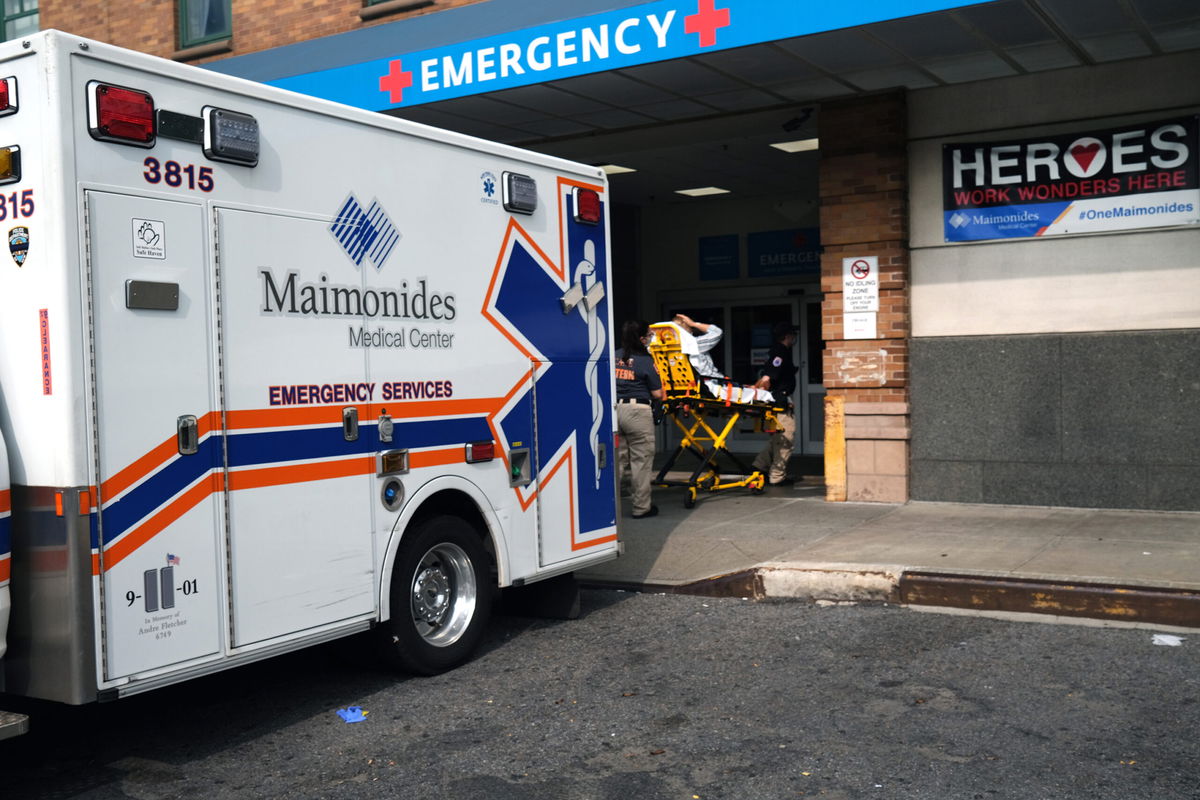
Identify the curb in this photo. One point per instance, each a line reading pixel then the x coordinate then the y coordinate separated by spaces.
pixel 835 582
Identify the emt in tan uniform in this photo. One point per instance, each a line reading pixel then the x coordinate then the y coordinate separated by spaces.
pixel 637 386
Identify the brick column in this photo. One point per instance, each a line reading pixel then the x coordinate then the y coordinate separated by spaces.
pixel 863 188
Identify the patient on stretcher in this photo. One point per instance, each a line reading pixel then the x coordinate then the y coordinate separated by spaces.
pixel 696 339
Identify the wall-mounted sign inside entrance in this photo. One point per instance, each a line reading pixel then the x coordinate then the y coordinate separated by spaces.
pixel 1141 176
pixel 638 34
pixel 720 258
pixel 771 254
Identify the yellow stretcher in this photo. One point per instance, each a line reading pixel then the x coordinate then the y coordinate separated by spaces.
pixel 707 414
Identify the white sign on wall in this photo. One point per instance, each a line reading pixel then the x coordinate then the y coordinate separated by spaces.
pixel 860 284
pixel 859 325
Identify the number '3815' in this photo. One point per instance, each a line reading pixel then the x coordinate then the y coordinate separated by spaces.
pixel 9 207
pixel 175 174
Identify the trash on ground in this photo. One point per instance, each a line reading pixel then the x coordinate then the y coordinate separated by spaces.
pixel 352 714
pixel 1167 640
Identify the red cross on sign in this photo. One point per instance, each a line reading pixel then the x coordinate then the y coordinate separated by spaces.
pixel 395 82
pixel 860 269
pixel 705 22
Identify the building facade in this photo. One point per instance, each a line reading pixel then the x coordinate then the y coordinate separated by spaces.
pixel 984 217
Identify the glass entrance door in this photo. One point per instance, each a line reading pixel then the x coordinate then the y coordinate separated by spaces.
pixel 742 353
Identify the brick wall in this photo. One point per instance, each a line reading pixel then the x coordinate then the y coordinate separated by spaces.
pixel 863 187
pixel 150 26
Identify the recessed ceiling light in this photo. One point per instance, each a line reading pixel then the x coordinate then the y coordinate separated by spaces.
pixel 615 169
pixel 798 146
pixel 702 191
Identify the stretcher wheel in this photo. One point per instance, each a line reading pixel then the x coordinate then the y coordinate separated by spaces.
pixel 689 499
pixel 759 485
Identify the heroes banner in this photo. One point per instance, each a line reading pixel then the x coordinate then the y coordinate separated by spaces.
pixel 1140 176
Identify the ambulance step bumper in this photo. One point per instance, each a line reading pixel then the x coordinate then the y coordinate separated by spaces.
pixel 12 724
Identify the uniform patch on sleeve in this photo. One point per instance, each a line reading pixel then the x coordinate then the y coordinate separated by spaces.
pixel 777 362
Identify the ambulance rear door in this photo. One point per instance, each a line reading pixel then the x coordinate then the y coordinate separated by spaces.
pixel 157 431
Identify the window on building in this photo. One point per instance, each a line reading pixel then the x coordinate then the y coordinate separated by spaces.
pixel 202 21
pixel 20 18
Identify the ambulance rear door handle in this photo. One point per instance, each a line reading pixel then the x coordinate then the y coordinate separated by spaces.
pixel 571 298
pixel 188 433
pixel 594 296
pixel 350 423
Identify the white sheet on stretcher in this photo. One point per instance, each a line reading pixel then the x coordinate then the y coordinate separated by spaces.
pixel 736 393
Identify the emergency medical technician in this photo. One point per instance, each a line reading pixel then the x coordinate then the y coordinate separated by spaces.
pixel 779 376
pixel 637 386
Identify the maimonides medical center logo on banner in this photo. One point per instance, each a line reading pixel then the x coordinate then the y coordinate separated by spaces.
pixel 1142 176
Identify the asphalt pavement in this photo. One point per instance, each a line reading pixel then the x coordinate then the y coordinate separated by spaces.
pixel 659 697
pixel 1139 567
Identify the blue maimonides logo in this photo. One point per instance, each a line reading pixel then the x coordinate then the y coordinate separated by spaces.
pixel 364 234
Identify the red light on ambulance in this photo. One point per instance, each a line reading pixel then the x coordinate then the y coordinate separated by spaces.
pixel 8 96
pixel 117 114
pixel 587 206
pixel 480 451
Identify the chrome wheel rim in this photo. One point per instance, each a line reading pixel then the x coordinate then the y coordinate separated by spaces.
pixel 443 594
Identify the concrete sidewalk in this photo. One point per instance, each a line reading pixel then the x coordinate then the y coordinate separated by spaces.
pixel 1133 566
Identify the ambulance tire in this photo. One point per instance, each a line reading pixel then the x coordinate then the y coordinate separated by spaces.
pixel 441 597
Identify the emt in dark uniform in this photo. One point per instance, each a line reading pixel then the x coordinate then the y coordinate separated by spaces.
pixel 637 386
pixel 779 376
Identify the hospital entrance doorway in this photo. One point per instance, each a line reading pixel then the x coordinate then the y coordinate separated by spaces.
pixel 742 353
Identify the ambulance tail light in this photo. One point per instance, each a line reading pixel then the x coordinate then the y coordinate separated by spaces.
pixel 477 452
pixel 10 164
pixel 587 206
pixel 118 114
pixel 8 96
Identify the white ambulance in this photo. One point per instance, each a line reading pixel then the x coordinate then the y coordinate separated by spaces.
pixel 275 371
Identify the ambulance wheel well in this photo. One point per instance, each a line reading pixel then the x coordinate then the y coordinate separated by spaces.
pixel 457 504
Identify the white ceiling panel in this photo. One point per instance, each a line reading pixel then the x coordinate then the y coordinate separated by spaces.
pixel 615 118
pixel 740 100
pixel 614 89
pixel 841 51
pixel 553 127
pixel 1087 18
pixel 976 67
pixel 758 64
pixel 548 99
pixel 806 91
pixel 1182 36
pixel 675 109
pixel 1041 57
pixel 871 80
pixel 1115 46
pixel 483 107
pixel 1009 23
pixel 682 75
pixel 928 37
pixel 1167 12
